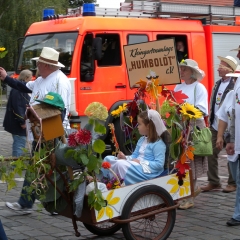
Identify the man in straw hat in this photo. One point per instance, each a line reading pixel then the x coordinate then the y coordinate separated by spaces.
pixel 227 65
pixel 51 79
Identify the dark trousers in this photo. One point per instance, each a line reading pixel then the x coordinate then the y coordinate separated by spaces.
pixel 2 232
pixel 212 173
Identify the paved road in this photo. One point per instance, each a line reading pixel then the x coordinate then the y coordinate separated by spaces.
pixel 206 221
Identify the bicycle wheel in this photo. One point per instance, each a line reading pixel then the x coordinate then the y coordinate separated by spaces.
pixel 145 200
pixel 121 138
pixel 103 229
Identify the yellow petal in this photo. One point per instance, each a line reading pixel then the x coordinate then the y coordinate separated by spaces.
pixel 109 196
pixel 100 214
pixel 174 189
pixel 109 212
pixel 114 201
pixel 181 191
pixel 186 183
pixel 172 181
pixel 187 189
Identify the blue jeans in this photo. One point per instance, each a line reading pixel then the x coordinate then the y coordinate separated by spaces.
pixel 2 232
pixel 236 214
pixel 233 167
pixel 19 142
pixel 26 200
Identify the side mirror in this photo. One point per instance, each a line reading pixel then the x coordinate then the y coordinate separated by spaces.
pixel 97 48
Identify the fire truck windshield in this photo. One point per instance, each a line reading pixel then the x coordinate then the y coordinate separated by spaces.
pixel 32 46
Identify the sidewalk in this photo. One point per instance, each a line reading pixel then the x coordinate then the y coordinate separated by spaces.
pixel 206 221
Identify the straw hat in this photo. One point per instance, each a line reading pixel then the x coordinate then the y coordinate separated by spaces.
pixel 236 49
pixel 194 66
pixel 231 61
pixel 236 73
pixel 49 56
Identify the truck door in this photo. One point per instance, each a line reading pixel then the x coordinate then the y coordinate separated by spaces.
pixel 104 81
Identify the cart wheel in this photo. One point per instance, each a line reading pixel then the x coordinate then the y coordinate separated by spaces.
pixel 103 229
pixel 145 200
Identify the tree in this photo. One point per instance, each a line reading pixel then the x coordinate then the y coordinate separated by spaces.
pixel 78 3
pixel 15 18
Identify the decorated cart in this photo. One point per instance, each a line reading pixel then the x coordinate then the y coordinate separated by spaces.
pixel 60 169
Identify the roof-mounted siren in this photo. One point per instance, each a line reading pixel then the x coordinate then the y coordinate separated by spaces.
pixel 89 9
pixel 48 13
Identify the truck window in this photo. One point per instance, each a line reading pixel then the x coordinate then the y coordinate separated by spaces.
pixel 32 46
pixel 111 50
pixel 180 43
pixel 87 61
pixel 136 38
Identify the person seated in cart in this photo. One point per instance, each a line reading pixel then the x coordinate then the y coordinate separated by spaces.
pixel 147 161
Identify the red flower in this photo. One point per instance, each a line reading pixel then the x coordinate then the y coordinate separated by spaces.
pixel 109 186
pixel 71 140
pixel 106 165
pixel 83 137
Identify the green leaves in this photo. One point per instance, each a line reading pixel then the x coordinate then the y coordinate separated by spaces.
pixel 175 148
pixel 99 128
pixel 96 200
pixel 99 146
pixel 93 163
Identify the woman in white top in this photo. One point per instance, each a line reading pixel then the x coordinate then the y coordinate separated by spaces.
pixel 198 96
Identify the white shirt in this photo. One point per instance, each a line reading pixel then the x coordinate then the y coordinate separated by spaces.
pixel 221 89
pixel 199 99
pixel 236 106
pixel 225 114
pixel 55 82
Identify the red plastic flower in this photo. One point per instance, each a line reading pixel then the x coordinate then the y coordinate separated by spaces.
pixel 106 165
pixel 83 137
pixel 71 140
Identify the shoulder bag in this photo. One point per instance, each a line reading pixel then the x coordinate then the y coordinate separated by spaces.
pixel 202 139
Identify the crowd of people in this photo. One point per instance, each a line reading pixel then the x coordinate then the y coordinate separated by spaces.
pixel 147 161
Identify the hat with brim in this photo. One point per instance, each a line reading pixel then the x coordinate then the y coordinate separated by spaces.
pixel 236 49
pixel 49 56
pixel 194 67
pixel 236 73
pixel 231 61
pixel 53 99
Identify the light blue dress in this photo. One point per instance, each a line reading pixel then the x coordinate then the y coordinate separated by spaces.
pixel 152 159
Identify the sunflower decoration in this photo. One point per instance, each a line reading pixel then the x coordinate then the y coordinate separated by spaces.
pixel 190 111
pixel 108 209
pixel 119 110
pixel 180 185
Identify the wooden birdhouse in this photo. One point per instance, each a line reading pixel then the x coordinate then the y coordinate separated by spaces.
pixel 45 121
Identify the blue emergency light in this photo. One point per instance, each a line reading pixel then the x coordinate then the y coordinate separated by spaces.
pixel 89 9
pixel 48 13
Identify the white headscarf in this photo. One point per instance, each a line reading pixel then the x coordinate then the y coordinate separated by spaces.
pixel 157 120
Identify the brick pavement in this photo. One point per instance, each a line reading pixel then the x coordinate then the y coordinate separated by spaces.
pixel 206 221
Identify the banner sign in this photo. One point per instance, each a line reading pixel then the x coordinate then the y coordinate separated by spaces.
pixel 156 56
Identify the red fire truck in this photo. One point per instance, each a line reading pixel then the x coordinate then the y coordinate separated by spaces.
pixel 207 32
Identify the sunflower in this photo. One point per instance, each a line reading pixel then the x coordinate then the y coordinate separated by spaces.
pixel 189 110
pixel 183 186
pixel 117 112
